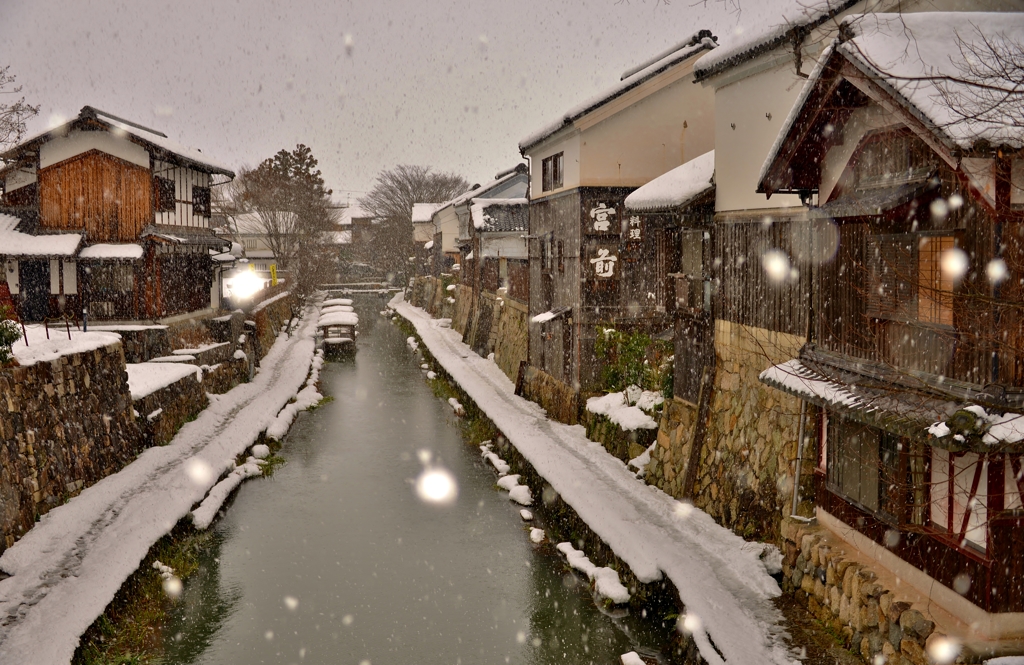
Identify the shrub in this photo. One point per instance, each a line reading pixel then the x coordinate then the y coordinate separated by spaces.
pixel 9 334
pixel 633 359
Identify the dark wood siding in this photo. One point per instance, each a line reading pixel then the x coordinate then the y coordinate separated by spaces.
pixel 109 198
pixel 746 294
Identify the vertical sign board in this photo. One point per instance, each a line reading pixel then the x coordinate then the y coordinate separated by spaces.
pixel 273 274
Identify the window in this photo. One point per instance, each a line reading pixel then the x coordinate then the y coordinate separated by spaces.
pixel 250 243
pixel 889 159
pixel 164 194
pixel 959 483
pixel 551 172
pixel 863 466
pixel 905 278
pixel 201 201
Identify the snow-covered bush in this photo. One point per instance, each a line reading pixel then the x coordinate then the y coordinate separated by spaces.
pixel 9 334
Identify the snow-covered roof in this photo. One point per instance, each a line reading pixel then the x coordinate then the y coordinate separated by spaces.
pixel 764 26
pixel 920 56
pixel 342 237
pixel 500 214
pixel 338 319
pixel 675 188
pixel 193 156
pixel 700 41
pixel 914 56
pixel 422 212
pixel 481 191
pixel 129 251
pixel 353 212
pixel 16 243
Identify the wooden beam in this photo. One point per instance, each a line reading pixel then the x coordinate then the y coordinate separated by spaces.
pixel 870 87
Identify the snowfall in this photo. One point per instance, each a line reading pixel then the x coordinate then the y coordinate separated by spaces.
pixel 723 581
pixel 68 567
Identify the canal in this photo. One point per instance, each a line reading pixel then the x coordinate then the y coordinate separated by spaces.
pixel 335 559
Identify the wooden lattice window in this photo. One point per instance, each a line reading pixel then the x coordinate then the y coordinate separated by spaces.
pixel 887 159
pixel 164 194
pixel 906 280
pixel 201 201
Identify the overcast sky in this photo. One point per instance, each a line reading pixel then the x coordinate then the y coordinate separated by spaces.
pixel 454 84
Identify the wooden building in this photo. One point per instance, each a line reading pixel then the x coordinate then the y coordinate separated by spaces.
pixel 914 364
pixel 139 206
pixel 586 265
pixel 671 230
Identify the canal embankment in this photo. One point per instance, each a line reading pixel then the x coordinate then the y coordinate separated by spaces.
pixel 722 582
pixel 68 567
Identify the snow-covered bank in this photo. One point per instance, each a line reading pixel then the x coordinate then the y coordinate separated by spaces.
pixel 720 577
pixel 69 566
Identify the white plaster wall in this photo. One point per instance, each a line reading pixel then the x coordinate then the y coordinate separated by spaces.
pixel 744 134
pixel 184 180
pixel 671 125
pixel 422 232
pixel 77 142
pixel 446 222
pixel 511 246
pixel 861 122
pixel 568 144
pixel 18 179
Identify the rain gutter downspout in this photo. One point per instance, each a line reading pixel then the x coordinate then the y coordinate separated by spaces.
pixel 801 428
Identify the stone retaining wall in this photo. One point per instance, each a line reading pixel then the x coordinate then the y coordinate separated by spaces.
pixel 64 425
pixel 270 321
pixel 163 412
pixel 845 596
pixel 492 323
pixel 623 444
pixel 560 401
pixel 745 471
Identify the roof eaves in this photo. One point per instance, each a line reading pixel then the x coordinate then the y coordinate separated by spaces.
pixel 769 45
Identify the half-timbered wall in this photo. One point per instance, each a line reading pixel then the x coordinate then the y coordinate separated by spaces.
pixel 186 180
pixel 107 197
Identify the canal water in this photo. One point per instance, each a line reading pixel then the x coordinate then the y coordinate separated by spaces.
pixel 335 558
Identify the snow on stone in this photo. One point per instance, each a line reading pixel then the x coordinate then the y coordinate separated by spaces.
pixel 500 465
pixel 181 359
pixel 428 244
pixel 69 566
pixel 717 577
pixel 16 243
pixel 939 429
pixel 606 580
pixel 456 407
pixel 641 461
pixel 507 483
pixel 631 658
pixel 111 251
pixel 544 317
pixel 614 407
pixel 40 349
pixel 203 516
pixel 268 301
pixel 526 515
pixel 412 343
pixel 261 451
pixel 537 536
pixel 431 375
pixel 305 398
pixel 521 494
pixel 675 188
pixel 239 355
pixel 147 378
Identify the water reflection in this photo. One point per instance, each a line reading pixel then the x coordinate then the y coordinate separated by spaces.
pixel 373 572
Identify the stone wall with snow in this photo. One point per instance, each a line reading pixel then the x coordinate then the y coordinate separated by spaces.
pixel 64 425
pixel 745 468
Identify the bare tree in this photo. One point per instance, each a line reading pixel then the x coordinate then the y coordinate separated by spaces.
pixel 290 207
pixel 13 115
pixel 391 201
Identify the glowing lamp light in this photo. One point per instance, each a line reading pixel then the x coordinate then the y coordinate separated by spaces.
pixel 437 486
